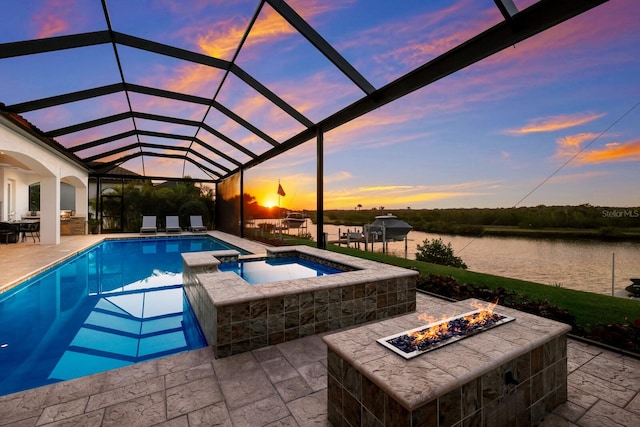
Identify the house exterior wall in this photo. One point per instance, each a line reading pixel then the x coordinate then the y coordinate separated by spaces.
pixel 45 166
pixel 18 197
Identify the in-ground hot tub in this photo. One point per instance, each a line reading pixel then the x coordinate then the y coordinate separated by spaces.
pixel 236 316
pixel 276 269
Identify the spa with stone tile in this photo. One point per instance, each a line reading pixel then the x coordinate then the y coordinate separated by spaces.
pixel 511 375
pixel 236 317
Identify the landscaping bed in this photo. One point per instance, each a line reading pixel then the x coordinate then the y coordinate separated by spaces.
pixel 622 336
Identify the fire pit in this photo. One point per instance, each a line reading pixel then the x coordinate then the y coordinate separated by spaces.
pixel 510 375
pixel 417 341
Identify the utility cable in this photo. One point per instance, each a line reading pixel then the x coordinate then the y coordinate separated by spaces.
pixel 544 181
pixel 577 154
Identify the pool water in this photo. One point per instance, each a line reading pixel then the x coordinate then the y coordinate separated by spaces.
pixel 276 269
pixel 118 303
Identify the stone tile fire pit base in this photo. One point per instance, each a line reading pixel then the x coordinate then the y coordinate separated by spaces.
pixel 512 375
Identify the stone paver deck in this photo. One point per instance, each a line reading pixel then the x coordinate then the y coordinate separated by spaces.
pixel 282 385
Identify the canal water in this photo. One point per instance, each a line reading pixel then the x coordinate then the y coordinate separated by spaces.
pixel 585 265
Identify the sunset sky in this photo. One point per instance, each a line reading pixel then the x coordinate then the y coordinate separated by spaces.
pixel 552 120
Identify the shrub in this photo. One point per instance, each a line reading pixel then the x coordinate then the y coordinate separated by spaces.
pixel 436 252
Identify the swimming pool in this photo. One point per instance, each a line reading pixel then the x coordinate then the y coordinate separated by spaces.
pixel 115 304
pixel 276 269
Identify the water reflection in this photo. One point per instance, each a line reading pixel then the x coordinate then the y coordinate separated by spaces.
pixel 575 264
pixel 117 304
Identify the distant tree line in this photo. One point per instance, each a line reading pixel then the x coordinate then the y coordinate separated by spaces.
pixel 473 220
pixel 580 217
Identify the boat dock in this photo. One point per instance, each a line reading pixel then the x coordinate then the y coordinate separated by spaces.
pixel 276 226
pixel 365 238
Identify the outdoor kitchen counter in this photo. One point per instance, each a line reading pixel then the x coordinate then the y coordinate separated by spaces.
pixel 518 367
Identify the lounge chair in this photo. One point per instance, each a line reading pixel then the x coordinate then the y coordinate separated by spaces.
pixel 173 224
pixel 149 225
pixel 196 223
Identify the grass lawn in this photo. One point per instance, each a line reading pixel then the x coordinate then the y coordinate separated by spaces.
pixel 587 307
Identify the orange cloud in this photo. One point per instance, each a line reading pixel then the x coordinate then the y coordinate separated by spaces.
pixel 270 24
pixel 406 195
pixel 167 106
pixel 361 131
pixel 194 78
pixel 570 145
pixel 221 40
pixel 53 19
pixel 213 36
pixel 613 152
pixel 301 189
pixel 552 124
pixel 379 188
pixel 323 91
pixel 183 77
pixel 403 195
pixel 257 110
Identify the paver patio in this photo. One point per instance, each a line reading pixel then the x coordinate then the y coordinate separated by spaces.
pixel 282 385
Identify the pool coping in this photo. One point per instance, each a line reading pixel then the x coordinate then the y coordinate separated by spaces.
pixel 229 288
pixel 93 240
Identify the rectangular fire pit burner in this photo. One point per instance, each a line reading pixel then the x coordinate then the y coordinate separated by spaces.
pixel 423 339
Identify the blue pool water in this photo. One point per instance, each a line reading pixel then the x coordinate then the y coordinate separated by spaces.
pixel 118 303
pixel 276 269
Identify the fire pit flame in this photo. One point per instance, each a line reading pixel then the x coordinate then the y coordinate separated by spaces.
pixel 437 334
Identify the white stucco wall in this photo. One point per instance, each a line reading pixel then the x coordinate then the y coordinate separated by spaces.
pixel 18 181
pixel 47 167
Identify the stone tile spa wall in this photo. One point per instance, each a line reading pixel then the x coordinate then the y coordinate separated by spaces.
pixel 237 317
